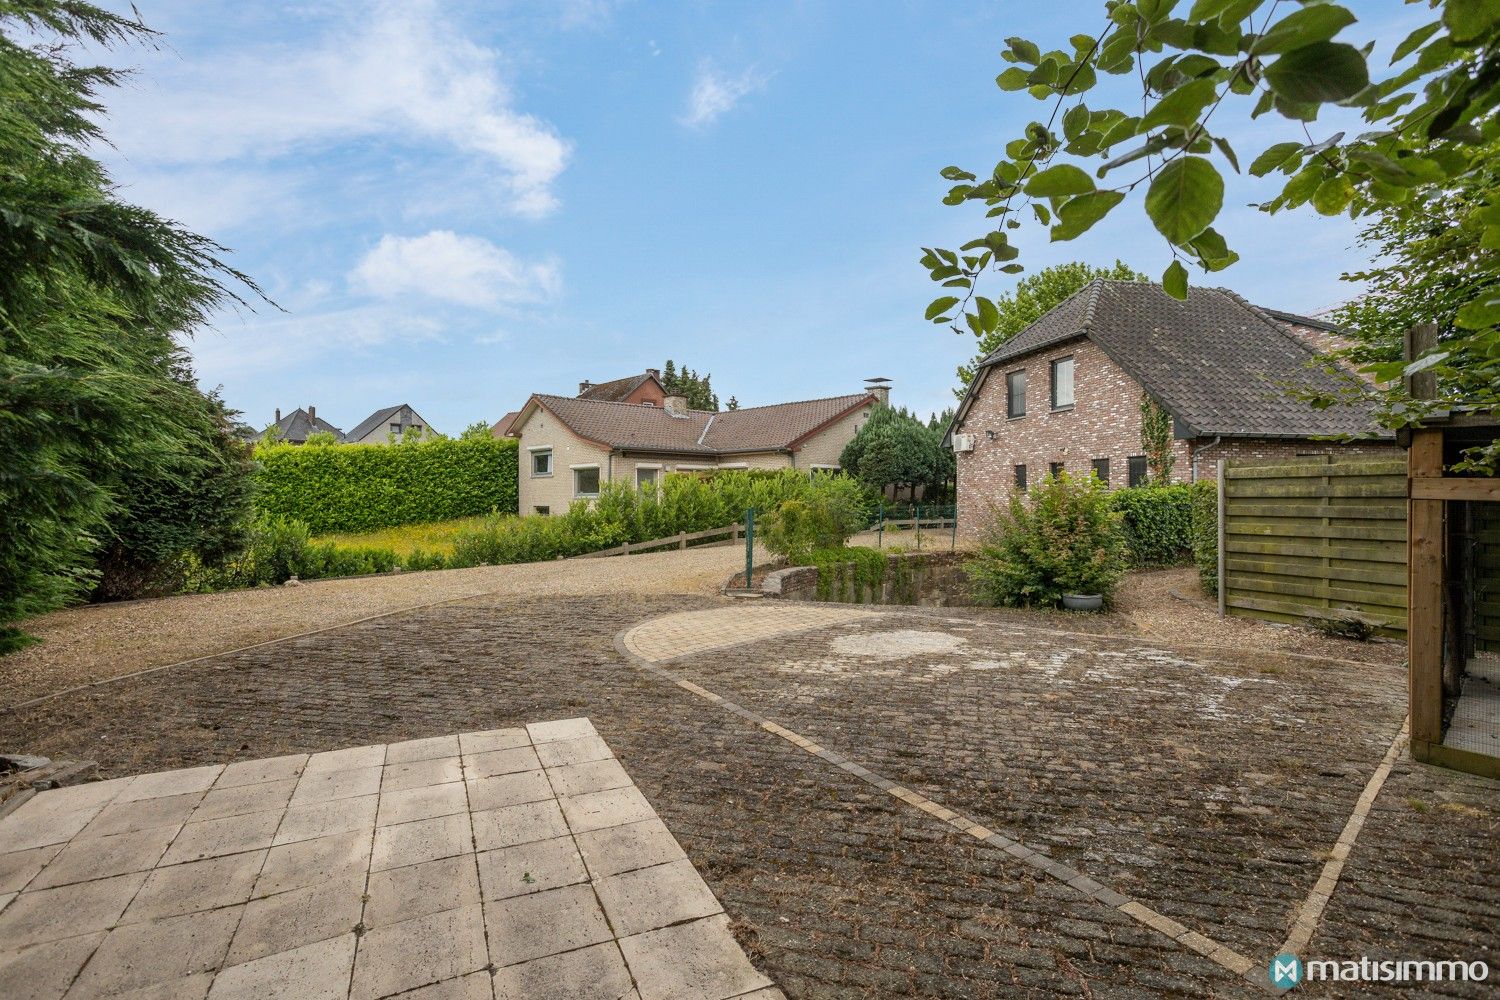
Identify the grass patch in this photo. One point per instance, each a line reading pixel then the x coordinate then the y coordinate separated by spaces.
pixel 436 537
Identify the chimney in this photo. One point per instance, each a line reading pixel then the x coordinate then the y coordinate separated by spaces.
pixel 880 388
pixel 584 386
pixel 312 413
pixel 278 414
pixel 676 405
pixel 654 373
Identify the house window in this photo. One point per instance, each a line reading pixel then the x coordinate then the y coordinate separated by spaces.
pixel 416 428
pixel 543 510
pixel 1062 383
pixel 1136 471
pixel 1054 469
pixel 395 428
pixel 1021 478
pixel 586 481
pixel 541 462
pixel 1015 394
pixel 1101 469
pixel 645 477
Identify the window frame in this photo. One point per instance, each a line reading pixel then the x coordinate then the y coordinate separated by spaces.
pixel 598 482
pixel 1010 394
pixel 1055 469
pixel 655 471
pixel 1131 479
pixel 1072 385
pixel 551 462
pixel 1019 472
pixel 542 510
pixel 1103 476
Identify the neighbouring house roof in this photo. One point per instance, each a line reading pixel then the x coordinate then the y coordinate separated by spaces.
pixel 377 418
pixel 633 427
pixel 616 391
pixel 1298 319
pixel 502 427
pixel 1218 364
pixel 296 427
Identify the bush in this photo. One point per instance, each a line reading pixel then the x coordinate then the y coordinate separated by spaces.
pixel 1157 521
pixel 279 549
pixel 361 487
pixel 822 520
pixel 1205 534
pixel 1062 538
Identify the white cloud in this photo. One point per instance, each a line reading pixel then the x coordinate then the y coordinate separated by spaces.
pixel 402 73
pixel 445 265
pixel 247 348
pixel 715 93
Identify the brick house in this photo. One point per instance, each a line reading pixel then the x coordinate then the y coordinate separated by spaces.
pixel 1065 393
pixel 569 445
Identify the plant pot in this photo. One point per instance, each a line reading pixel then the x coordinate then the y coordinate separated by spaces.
pixel 1083 602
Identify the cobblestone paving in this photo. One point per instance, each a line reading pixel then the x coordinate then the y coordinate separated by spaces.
pixel 1209 786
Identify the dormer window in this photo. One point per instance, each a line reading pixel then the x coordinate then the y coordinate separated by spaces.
pixel 647 403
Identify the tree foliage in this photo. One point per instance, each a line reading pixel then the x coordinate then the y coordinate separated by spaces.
pixel 102 422
pixel 698 389
pixel 1033 297
pixel 1431 118
pixel 1156 440
pixel 894 448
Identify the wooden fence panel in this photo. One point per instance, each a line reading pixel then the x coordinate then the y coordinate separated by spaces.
pixel 1314 536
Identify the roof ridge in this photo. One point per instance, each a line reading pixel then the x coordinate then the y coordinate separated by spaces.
pixel 1264 317
pixel 790 402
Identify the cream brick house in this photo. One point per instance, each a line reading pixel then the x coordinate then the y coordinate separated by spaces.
pixel 570 445
pixel 1064 394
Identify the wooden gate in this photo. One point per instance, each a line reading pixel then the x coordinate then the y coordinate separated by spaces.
pixel 1315 537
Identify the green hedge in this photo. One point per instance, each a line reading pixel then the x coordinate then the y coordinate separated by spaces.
pixel 1157 523
pixel 361 487
pixel 1206 534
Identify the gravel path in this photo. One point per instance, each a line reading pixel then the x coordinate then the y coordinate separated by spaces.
pixel 96 642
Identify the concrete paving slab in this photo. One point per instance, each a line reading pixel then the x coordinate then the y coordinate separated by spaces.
pixel 522 928
pixel 528 868
pixel 317 971
pixel 594 973
pixel 694 961
pixel 508 790
pixel 418 952
pixel 359 873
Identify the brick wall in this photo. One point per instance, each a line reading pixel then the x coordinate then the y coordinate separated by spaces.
pixel 1104 422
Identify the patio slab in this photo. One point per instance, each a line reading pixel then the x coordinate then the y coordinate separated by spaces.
pixel 511 863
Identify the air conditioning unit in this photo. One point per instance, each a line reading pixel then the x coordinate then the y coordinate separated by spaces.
pixel 963 442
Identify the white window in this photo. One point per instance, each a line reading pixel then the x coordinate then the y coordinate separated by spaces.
pixel 1062 383
pixel 586 481
pixel 395 428
pixel 645 476
pixel 541 462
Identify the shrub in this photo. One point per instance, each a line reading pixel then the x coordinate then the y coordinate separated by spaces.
pixel 278 549
pixel 848 573
pixel 360 487
pixel 824 519
pixel 1062 538
pixel 1157 521
pixel 1344 625
pixel 1205 534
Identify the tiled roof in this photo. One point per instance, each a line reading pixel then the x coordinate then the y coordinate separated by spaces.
pixel 373 421
pixel 296 427
pixel 1219 364
pixel 633 427
pixel 616 391
pixel 501 427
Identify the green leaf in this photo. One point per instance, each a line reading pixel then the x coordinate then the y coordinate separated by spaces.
pixel 989 316
pixel 1274 157
pixel 1077 215
pixel 1182 106
pixel 940 306
pixel 1014 78
pixel 1315 23
pixel 1025 50
pixel 1213 253
pixel 1320 73
pixel 1414 41
pixel 1479 314
pixel 1333 195
pixel 1470 20
pixel 1175 280
pixel 957 174
pixel 1058 181
pixel 1185 198
pixel 1228 151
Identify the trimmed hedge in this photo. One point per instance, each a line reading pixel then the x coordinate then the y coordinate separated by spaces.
pixel 1206 534
pixel 1157 523
pixel 360 487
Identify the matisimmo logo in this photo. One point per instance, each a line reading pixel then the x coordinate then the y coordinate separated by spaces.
pixel 1286 971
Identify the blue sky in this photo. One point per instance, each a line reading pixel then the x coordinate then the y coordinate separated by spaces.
pixel 458 204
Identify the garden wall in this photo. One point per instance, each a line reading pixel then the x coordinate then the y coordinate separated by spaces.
pixel 931 579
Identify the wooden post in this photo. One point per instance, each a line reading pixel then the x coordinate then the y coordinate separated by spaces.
pixel 1419 340
pixel 1424 623
pixel 1223 606
pixel 682 539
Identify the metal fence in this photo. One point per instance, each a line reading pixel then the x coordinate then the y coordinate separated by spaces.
pixel 1316 537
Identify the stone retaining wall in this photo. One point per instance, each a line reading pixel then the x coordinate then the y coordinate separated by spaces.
pixel 931 579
